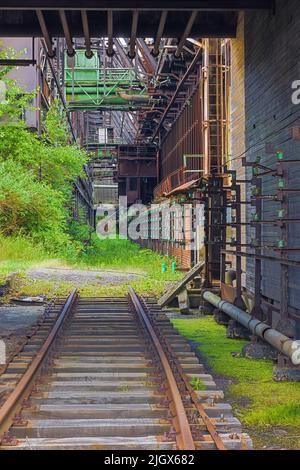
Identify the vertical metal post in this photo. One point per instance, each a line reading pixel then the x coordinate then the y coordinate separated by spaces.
pixel 282 170
pixel 257 311
pixel 205 104
pixel 239 301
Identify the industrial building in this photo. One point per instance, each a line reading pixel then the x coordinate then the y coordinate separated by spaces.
pixel 193 103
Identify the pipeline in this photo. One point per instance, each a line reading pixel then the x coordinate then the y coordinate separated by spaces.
pixel 282 343
pixel 135 98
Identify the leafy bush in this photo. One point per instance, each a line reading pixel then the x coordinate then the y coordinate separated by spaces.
pixel 36 172
pixel 30 207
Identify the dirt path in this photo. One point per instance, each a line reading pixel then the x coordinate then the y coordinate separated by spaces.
pixel 82 277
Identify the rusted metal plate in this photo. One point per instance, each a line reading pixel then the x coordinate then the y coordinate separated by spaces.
pixel 166 298
pixel 228 293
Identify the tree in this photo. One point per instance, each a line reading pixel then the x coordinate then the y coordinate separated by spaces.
pixel 36 172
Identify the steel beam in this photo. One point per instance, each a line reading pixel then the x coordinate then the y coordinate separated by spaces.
pixel 180 84
pixel 161 27
pixel 132 43
pixel 65 26
pixel 110 50
pixel 86 32
pixel 187 31
pixel 25 24
pixel 45 33
pixel 208 5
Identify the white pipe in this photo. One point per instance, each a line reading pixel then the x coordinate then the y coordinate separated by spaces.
pixel 282 343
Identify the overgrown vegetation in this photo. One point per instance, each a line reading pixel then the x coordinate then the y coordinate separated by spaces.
pixel 36 225
pixel 36 172
pixel 18 254
pixel 258 400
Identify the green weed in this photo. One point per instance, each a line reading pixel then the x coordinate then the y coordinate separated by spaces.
pixel 197 384
pixel 257 399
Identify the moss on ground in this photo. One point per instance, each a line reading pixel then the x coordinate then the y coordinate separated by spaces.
pixel 258 401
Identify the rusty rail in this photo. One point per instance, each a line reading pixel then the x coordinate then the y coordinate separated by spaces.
pixel 184 436
pixel 200 408
pixel 142 311
pixel 13 403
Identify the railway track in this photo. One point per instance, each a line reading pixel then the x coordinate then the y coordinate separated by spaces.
pixel 105 373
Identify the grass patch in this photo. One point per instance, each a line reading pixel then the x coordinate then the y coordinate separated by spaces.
pixel 258 400
pixel 24 286
pixel 19 254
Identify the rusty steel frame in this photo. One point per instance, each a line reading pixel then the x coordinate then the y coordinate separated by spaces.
pixel 190 69
pixel 200 121
pixel 13 403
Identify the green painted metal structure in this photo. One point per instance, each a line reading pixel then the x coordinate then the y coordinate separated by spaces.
pixel 88 86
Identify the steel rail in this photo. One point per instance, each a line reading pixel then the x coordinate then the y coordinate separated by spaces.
pixel 200 408
pixel 13 404
pixel 184 436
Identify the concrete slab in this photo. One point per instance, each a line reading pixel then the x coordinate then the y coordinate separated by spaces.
pixel 15 319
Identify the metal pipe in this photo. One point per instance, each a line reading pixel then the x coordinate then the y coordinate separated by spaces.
pixel 110 50
pixel 186 33
pixel 60 92
pixel 64 22
pixel 86 31
pixel 134 98
pixel 282 343
pixel 135 18
pixel 161 27
pixel 45 32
